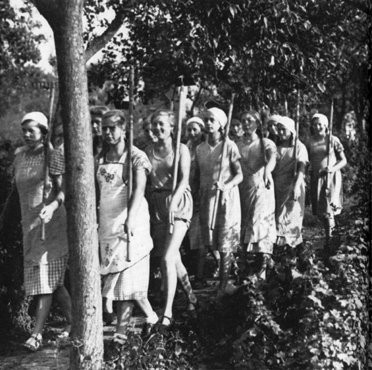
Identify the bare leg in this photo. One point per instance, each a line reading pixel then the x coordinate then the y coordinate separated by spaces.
pixel 225 267
pixel 185 281
pixel 151 316
pixel 169 269
pixel 125 309
pixel 42 311
pixel 64 300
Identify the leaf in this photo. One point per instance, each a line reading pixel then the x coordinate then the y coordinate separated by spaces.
pixel 321 87
pixel 316 300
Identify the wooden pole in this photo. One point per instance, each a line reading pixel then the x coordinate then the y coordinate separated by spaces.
pixel 46 156
pixel 130 150
pixel 295 149
pixel 182 104
pixel 329 149
pixel 224 149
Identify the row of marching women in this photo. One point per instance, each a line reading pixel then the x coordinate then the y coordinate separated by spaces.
pixel 225 196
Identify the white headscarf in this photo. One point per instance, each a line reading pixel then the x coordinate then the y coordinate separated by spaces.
pixel 197 120
pixel 38 117
pixel 288 123
pixel 219 114
pixel 322 118
pixel 274 118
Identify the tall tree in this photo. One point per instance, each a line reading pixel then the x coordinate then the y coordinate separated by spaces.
pixel 65 18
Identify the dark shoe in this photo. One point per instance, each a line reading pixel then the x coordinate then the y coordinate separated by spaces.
pixel 164 329
pixel 192 309
pixel 147 330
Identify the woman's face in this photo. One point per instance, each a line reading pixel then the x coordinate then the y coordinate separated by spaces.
pixel 96 125
pixel 149 135
pixel 272 127
pixel 283 133
pixel 194 131
pixel 319 128
pixel 112 132
pixel 161 127
pixel 236 127
pixel 249 124
pixel 32 134
pixel 212 124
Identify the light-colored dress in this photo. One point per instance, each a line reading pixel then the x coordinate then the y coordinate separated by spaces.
pixel 258 202
pixel 226 234
pixel 289 214
pixel 159 195
pixel 122 280
pixel 44 261
pixel 194 232
pixel 322 205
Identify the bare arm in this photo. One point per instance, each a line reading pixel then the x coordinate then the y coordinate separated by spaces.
pixel 341 163
pixel 47 212
pixel 238 175
pixel 183 177
pixel 138 194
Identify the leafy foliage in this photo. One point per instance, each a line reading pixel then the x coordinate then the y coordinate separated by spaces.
pixel 262 50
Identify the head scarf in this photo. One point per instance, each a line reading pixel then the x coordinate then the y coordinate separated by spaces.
pixel 219 114
pixel 274 118
pixel 321 117
pixel 38 117
pixel 288 123
pixel 197 120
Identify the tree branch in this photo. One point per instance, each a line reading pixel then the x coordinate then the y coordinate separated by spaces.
pixel 99 42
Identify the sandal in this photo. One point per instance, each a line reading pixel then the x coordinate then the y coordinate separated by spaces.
pixel 163 328
pixel 34 343
pixel 119 339
pixel 65 332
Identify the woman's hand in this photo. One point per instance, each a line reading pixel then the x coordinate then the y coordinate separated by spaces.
pixel 47 212
pixel 296 192
pixel 268 179
pixel 221 186
pixel 325 170
pixel 129 225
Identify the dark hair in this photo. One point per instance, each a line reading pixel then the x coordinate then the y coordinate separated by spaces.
pixel 116 115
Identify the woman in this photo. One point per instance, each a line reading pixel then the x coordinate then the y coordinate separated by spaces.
pixel 225 237
pixel 236 131
pixel 96 114
pixel 326 198
pixel 289 179
pixel 272 127
pixel 195 129
pixel 257 192
pixel 167 207
pixel 45 260
pixel 121 215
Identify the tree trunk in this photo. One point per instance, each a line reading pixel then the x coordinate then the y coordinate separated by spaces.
pixel 65 18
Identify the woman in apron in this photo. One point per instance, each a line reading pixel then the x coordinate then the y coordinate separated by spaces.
pixel 123 281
